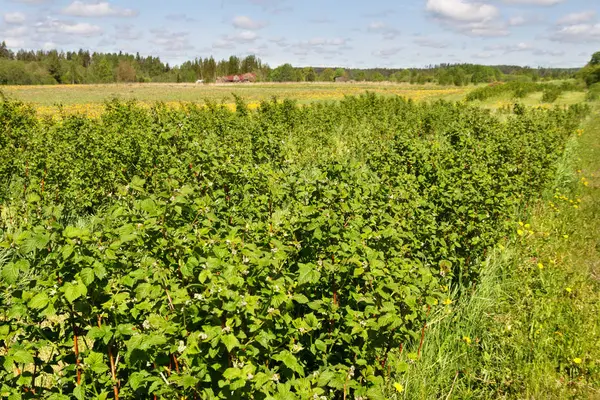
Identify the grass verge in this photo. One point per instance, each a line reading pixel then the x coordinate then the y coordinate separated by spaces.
pixel 530 329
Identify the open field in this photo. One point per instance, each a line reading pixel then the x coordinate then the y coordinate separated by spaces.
pixel 89 99
pixel 68 95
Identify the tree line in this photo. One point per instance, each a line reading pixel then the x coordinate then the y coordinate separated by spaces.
pixel 29 67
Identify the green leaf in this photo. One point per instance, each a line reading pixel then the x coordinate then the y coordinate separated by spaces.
pixel 39 301
pixel 79 393
pixel 95 361
pixel 137 379
pixel 307 273
pixel 10 273
pixel 87 276
pixel 22 356
pixel 290 361
pixel 230 341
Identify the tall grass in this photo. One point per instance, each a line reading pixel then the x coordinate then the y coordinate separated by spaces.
pixel 530 327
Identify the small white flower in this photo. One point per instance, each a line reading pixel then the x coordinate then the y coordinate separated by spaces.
pixel 246 272
pixel 245 260
pixel 233 251
pixel 250 377
pixel 276 288
pixel 227 329
pixel 351 371
pixel 172 198
pixel 198 296
pixel 203 336
pixel 146 324
pixel 271 310
pixel 296 348
pixel 181 348
pixel 274 250
pixel 301 330
pixel 275 378
pixel 320 263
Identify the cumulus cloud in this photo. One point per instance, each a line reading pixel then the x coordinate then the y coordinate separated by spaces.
pixel 388 52
pixel 578 33
pixel 388 33
pixel 535 2
pixel 468 17
pixel 577 18
pixel 430 42
pixel 171 41
pixel 14 18
pixel 462 10
pixel 52 25
pixel 100 9
pixel 247 23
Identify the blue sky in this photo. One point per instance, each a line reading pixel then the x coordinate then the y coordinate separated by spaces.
pixel 375 33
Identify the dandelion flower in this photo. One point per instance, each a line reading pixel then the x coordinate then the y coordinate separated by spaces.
pixel 520 232
pixel 399 388
pixel 577 360
pixel 540 266
pixel 466 339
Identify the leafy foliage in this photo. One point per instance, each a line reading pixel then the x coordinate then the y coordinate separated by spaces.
pixel 274 254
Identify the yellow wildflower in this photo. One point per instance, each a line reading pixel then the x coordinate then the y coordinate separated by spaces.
pixel 447 302
pixel 577 360
pixel 466 339
pixel 540 266
pixel 399 388
pixel 520 232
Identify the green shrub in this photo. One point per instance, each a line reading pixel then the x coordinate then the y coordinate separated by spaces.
pixel 277 253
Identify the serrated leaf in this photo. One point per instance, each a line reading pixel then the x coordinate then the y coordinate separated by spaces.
pixel 10 273
pixel 22 356
pixel 230 341
pixel 39 301
pixel 307 273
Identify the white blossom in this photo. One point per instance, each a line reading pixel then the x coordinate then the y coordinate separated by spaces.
pixel 181 348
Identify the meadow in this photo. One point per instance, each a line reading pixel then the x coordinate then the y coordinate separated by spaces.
pixel 367 247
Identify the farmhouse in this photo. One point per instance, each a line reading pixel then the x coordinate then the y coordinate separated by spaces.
pixel 248 77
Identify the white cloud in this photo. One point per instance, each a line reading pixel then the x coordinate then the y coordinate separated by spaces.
pixel 535 2
pixel 171 41
pixel 468 17
pixel 14 18
pixel 101 9
pixel 578 33
pixel 247 23
pixel 577 18
pixel 51 25
pixel 16 32
pixel 385 53
pixel 382 28
pixel 430 42
pixel 518 20
pixel 14 43
pixel 462 10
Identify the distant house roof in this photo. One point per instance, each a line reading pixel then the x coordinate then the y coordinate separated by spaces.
pixel 248 77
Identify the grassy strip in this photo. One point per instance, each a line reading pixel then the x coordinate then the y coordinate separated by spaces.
pixel 531 327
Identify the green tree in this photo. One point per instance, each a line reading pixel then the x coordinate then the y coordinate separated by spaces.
pixel 284 73
pixel 126 72
pixel 4 51
pixel 591 72
pixel 309 74
pixel 328 75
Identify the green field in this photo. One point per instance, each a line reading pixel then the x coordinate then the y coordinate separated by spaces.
pixel 252 93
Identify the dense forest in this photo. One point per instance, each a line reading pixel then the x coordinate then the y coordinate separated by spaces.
pixel 28 67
